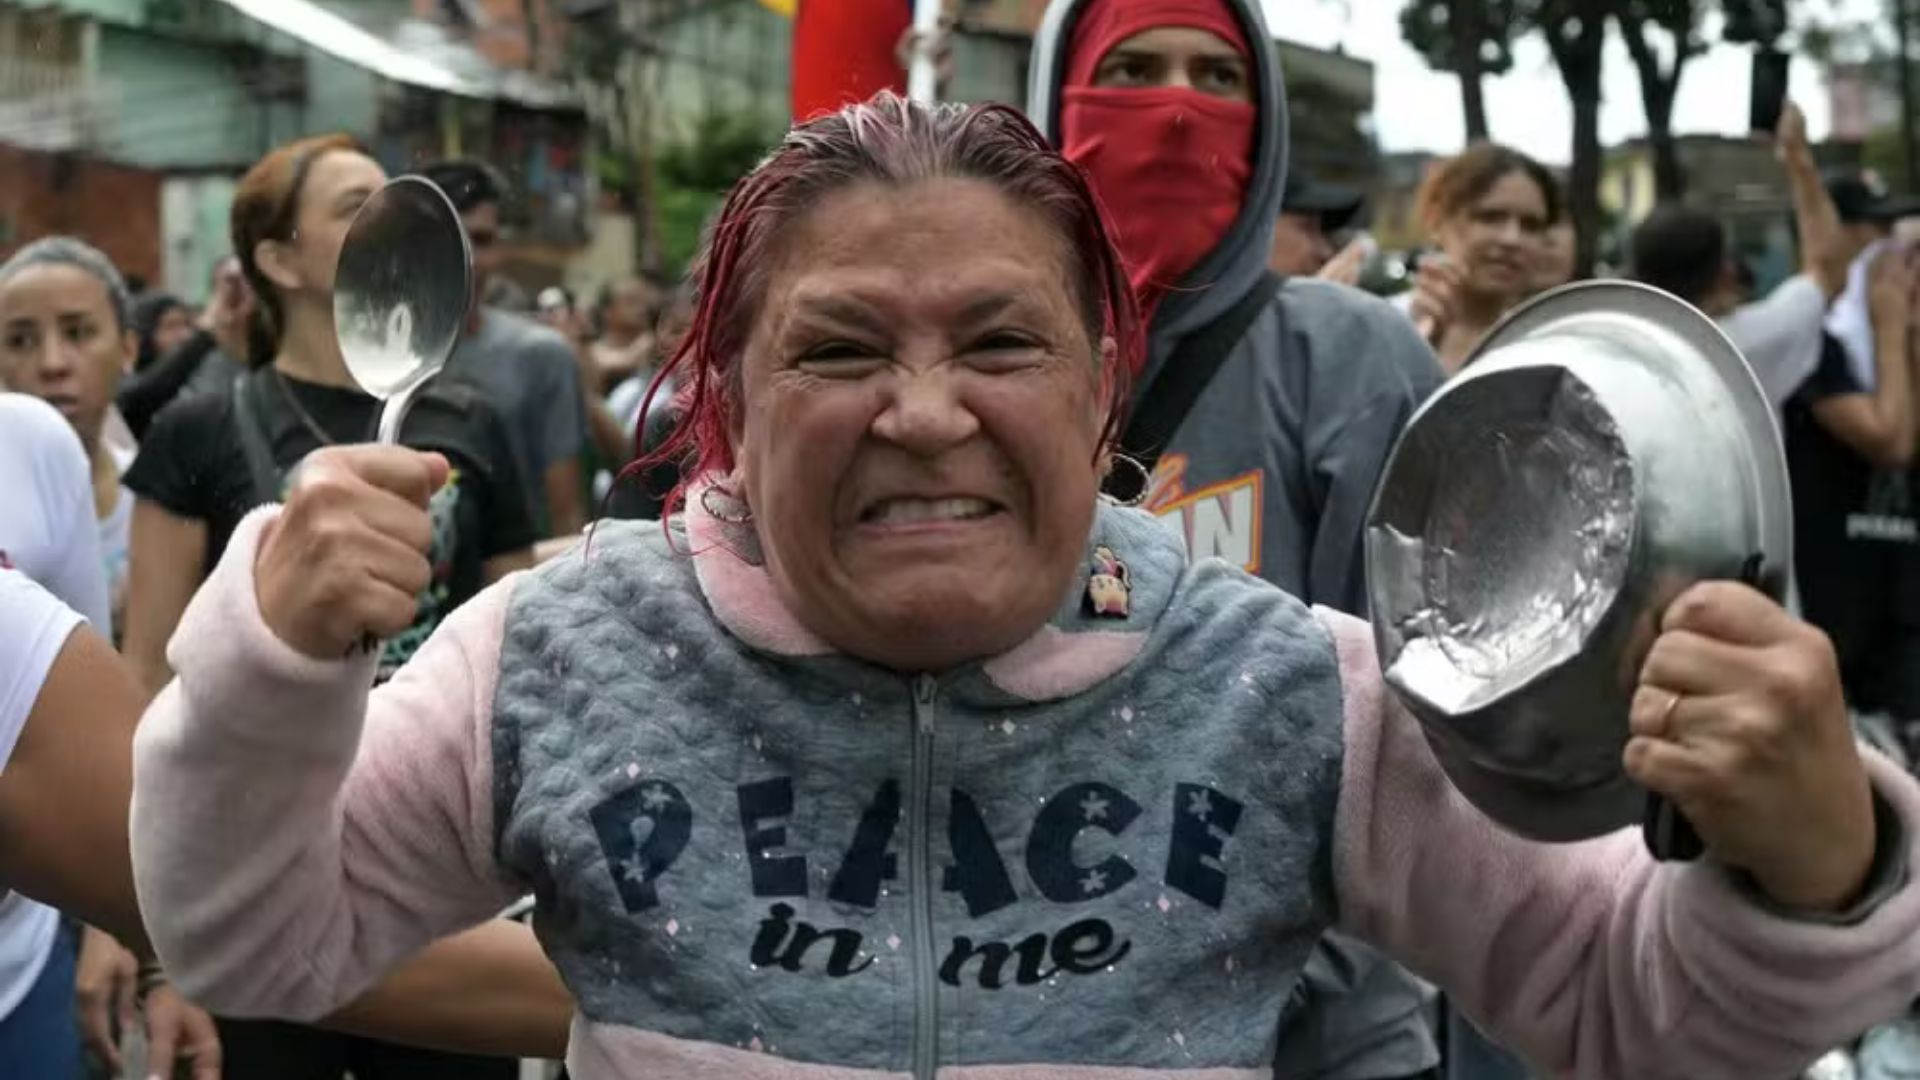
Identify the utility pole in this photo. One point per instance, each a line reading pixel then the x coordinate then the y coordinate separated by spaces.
pixel 923 74
pixel 1903 26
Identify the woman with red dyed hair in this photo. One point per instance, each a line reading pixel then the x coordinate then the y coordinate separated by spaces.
pixel 902 752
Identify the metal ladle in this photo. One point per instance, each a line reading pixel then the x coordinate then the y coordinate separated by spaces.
pixel 401 292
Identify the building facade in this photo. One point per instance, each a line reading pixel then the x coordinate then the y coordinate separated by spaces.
pixel 188 93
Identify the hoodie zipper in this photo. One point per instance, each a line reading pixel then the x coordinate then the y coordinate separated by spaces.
pixel 926 1025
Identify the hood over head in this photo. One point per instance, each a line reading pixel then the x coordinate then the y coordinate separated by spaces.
pixel 1239 260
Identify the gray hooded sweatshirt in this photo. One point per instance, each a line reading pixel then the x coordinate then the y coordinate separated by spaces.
pixel 1273 470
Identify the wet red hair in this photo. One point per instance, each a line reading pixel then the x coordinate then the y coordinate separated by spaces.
pixel 893 141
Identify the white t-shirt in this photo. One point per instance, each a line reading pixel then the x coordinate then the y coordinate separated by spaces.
pixel 48 533
pixel 1851 319
pixel 34 626
pixel 1780 335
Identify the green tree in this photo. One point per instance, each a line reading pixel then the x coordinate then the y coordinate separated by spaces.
pixel 1647 24
pixel 1884 152
pixel 1576 33
pixel 695 175
pixel 1471 39
pixel 1678 21
pixel 615 54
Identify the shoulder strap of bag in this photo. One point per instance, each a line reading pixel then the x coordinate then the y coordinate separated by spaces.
pixel 253 439
pixel 1161 406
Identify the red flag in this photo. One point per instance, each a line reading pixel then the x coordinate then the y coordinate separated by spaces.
pixel 845 51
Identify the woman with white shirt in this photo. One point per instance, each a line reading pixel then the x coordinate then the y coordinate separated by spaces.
pixel 66 336
pixel 48 536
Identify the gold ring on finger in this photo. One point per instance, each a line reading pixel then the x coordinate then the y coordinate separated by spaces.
pixel 1666 715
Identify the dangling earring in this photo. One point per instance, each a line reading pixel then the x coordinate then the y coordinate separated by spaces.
pixel 737 513
pixel 1145 481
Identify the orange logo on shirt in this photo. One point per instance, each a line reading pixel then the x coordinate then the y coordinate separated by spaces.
pixel 1220 521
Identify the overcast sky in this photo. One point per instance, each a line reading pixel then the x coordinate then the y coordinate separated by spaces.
pixel 1419 109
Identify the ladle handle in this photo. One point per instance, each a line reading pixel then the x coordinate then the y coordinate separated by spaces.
pixel 1669 835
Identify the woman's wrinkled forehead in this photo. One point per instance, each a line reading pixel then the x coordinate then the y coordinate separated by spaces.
pixel 930 241
pixel 1103 24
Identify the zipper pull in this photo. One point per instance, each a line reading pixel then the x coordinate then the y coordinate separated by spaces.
pixel 925 689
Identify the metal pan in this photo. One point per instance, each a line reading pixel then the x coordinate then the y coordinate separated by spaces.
pixel 1605 448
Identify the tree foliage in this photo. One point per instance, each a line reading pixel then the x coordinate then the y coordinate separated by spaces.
pixel 1755 22
pixel 695 175
pixel 1470 38
pixel 1678 22
pixel 1661 38
pixel 1575 32
pixel 723 148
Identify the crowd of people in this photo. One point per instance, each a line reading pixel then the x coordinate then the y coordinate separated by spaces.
pixel 964 664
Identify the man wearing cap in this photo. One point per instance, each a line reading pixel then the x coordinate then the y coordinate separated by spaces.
pixel 1867 212
pixel 1311 215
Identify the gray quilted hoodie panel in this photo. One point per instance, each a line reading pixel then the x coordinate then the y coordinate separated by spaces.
pixel 838 864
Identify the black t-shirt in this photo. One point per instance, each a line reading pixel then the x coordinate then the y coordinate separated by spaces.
pixel 196 366
pixel 1856 549
pixel 193 464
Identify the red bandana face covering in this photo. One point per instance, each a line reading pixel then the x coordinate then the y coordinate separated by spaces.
pixel 1171 167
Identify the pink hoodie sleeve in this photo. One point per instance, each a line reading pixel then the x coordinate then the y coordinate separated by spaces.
pixel 1591 959
pixel 294 837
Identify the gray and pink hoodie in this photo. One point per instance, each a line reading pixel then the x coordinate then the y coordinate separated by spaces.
pixel 1102 855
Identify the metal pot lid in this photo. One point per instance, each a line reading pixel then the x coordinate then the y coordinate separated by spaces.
pixel 1766 461
pixel 1507 557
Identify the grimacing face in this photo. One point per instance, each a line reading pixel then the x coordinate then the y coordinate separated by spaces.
pixel 920 420
pixel 59 342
